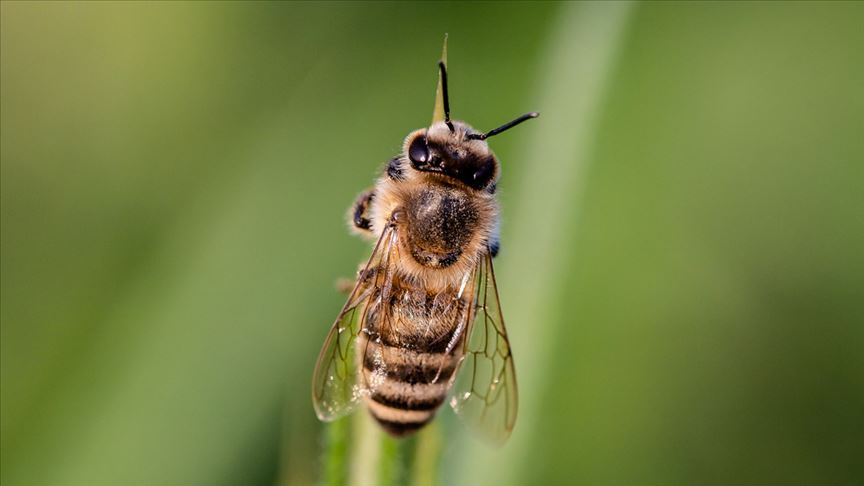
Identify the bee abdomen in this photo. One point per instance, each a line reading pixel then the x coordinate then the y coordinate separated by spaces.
pixel 402 408
pixel 416 368
pixel 406 385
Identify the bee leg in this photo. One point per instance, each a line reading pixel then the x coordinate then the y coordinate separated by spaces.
pixel 394 169
pixel 344 285
pixel 494 247
pixel 494 242
pixel 359 211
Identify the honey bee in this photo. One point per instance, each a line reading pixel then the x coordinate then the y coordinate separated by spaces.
pixel 424 318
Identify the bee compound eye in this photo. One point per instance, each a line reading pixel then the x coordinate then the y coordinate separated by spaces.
pixel 418 152
pixel 483 175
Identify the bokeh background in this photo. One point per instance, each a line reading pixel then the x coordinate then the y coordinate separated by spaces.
pixel 682 268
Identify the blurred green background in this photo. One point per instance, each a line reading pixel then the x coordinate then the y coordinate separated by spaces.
pixel 682 268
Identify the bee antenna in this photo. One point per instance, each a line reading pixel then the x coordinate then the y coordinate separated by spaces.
pixel 506 126
pixel 444 95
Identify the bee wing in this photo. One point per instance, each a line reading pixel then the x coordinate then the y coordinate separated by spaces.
pixel 484 394
pixel 336 387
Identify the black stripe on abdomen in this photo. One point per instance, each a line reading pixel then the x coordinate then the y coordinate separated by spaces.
pixel 417 372
pixel 408 403
pixel 401 429
pixel 399 414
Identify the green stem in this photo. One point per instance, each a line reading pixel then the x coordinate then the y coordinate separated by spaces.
pixel 356 452
pixel 427 455
pixel 334 459
pixel 392 464
pixel 365 450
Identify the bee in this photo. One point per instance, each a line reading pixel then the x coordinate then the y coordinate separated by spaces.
pixel 424 319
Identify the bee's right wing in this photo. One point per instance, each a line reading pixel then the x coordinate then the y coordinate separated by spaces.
pixel 484 392
pixel 336 387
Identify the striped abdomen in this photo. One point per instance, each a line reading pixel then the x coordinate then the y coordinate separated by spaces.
pixel 405 363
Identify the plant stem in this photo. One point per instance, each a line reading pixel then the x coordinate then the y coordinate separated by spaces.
pixel 334 459
pixel 356 452
pixel 365 450
pixel 427 455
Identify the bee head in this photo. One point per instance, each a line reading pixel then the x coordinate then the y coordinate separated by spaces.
pixel 454 148
pixel 438 150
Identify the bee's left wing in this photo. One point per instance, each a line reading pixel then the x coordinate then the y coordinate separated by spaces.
pixel 336 388
pixel 484 394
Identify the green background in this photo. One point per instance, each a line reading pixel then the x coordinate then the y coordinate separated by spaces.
pixel 682 268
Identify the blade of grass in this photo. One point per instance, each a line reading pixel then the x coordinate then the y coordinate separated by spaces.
pixel 427 455
pixel 365 450
pixel 438 111
pixel 397 460
pixel 335 456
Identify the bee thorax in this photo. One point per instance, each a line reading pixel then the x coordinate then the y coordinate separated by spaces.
pixel 441 222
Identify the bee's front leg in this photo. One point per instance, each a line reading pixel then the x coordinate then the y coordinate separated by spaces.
pixel 345 285
pixel 359 213
pixel 364 276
